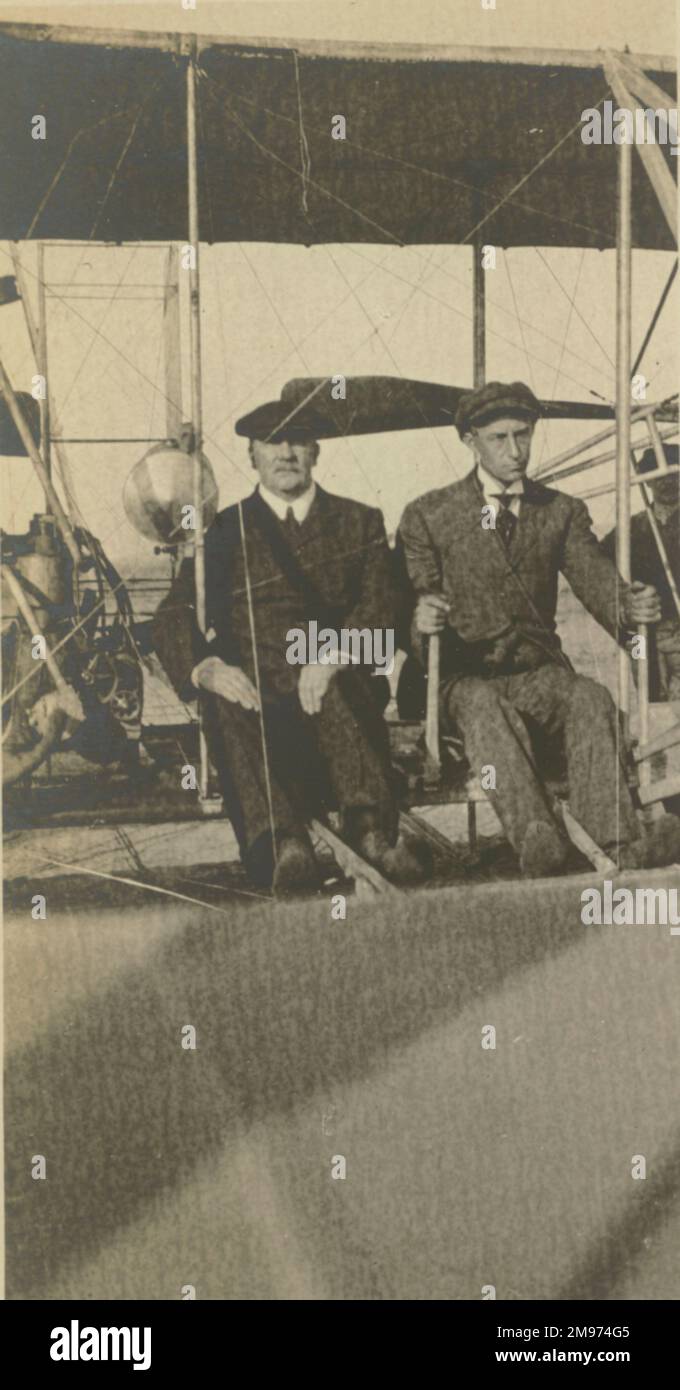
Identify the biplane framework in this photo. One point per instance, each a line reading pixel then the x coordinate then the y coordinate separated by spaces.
pixel 278 175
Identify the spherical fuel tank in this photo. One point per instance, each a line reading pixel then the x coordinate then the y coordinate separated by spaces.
pixel 160 488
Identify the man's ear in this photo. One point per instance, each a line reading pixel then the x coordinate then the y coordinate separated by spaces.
pixel 469 440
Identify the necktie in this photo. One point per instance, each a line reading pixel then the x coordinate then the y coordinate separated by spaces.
pixel 291 526
pixel 506 520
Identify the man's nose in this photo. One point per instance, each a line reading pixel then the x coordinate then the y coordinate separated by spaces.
pixel 286 450
pixel 514 448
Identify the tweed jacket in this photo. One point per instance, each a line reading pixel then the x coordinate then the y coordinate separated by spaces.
pixel 496 593
pixel 341 547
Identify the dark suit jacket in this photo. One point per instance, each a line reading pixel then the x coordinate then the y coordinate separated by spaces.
pixel 498 595
pixel 341 547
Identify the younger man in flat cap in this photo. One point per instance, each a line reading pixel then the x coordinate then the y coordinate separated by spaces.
pixel 303 555
pixel 484 555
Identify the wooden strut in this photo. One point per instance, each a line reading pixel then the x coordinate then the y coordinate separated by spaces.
pixel 45 443
pixel 68 699
pixel 172 347
pixel 34 454
pixel 433 766
pixel 623 405
pixel 37 333
pixel 196 384
pixel 624 79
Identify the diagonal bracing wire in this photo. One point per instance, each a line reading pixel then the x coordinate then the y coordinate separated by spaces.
pixel 421 168
pixel 574 305
pixel 566 335
pixel 384 230
pixel 532 382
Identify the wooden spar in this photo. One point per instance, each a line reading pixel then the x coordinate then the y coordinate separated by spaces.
pixel 623 412
pixel 172 353
pixel 596 460
pixel 169 42
pixel 637 481
pixel 639 415
pixel 34 454
pixel 669 738
pixel 196 377
pixel 45 442
pixel 656 792
pixel 622 77
pixel 642 85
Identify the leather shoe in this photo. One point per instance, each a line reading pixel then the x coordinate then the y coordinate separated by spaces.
pixel 632 855
pixel 659 846
pixel 402 863
pixel 544 851
pixel 663 839
pixel 296 868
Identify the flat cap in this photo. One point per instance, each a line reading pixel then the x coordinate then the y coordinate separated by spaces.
pixel 277 420
pixel 496 398
pixel 648 463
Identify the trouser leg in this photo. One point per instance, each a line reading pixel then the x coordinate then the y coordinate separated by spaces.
pixel 495 736
pixel 584 712
pixel 340 755
pixel 353 740
pixel 234 738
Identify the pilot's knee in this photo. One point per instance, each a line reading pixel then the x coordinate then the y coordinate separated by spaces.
pixel 473 701
pixel 590 699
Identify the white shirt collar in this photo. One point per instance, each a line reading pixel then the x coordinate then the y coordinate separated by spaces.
pixel 280 505
pixel 492 488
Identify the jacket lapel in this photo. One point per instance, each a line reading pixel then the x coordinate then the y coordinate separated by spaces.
pixel 316 517
pixel 482 542
pixel 531 522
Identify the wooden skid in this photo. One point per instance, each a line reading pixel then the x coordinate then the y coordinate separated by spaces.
pixel 668 739
pixel 583 842
pixel 349 861
pixel 423 830
pixel 659 791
